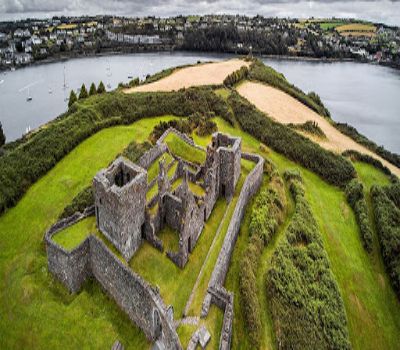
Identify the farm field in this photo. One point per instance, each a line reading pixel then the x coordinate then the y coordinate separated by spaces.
pixel 286 109
pixel 356 29
pixel 204 74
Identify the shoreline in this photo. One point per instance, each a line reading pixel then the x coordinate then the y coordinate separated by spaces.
pixel 171 49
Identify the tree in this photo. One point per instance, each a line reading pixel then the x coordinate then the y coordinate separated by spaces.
pixel 2 136
pixel 101 88
pixel 83 93
pixel 72 98
pixel 92 90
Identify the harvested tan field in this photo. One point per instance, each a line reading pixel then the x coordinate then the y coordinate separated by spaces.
pixel 286 109
pixel 202 74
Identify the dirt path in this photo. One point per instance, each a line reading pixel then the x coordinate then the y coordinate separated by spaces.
pixel 203 74
pixel 286 109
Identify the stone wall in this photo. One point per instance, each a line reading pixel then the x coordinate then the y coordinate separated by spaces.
pixel 72 268
pixel 151 155
pixel 250 187
pixel 216 293
pixel 134 295
pixel 141 302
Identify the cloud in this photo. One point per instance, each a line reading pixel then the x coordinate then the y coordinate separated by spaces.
pixel 387 11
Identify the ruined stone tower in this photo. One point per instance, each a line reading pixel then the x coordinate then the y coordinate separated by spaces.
pixel 229 153
pixel 120 200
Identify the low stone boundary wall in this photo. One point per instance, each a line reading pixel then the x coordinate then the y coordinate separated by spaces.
pixel 92 258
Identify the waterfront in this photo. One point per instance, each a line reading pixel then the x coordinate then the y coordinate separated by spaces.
pixel 362 95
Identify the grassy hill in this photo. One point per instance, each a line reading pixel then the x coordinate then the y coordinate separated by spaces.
pixel 38 312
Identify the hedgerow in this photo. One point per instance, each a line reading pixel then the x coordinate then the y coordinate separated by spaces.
pixel 79 203
pixel 387 219
pixel 333 168
pixel 236 76
pixel 305 302
pixel 354 155
pixel 310 127
pixel 266 74
pixel 32 157
pixel 356 199
pixel 266 216
pixel 200 123
pixel 363 140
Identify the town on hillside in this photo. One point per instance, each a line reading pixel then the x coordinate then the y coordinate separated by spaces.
pixel 27 41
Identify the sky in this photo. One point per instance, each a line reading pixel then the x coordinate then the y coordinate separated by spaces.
pixel 386 11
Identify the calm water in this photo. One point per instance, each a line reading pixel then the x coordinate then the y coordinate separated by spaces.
pixel 365 96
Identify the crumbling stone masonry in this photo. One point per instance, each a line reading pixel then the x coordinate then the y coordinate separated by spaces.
pixel 92 258
pixel 120 200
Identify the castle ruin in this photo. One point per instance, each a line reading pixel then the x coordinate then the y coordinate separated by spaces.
pixel 127 215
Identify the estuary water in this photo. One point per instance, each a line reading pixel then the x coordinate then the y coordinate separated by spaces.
pixel 365 96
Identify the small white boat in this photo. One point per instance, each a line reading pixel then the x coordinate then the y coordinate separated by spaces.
pixel 1 81
pixel 50 91
pixel 29 98
pixel 12 69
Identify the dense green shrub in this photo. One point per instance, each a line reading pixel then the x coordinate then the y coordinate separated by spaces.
pixel 236 76
pixel 393 192
pixel 92 90
pixel 333 168
pixel 200 123
pixel 80 202
pixel 33 156
pixel 135 150
pixel 267 214
pixel 363 140
pixel 266 74
pixel 101 88
pixel 310 127
pixel 304 298
pixel 72 98
pixel 2 136
pixel 356 199
pixel 357 156
pixel 130 84
pixel 83 93
pixel 387 219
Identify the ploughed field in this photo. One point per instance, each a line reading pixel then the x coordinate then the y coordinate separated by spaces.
pixel 286 109
pixel 204 74
pixel 38 312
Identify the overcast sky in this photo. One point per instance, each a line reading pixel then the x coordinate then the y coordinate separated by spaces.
pixel 387 11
